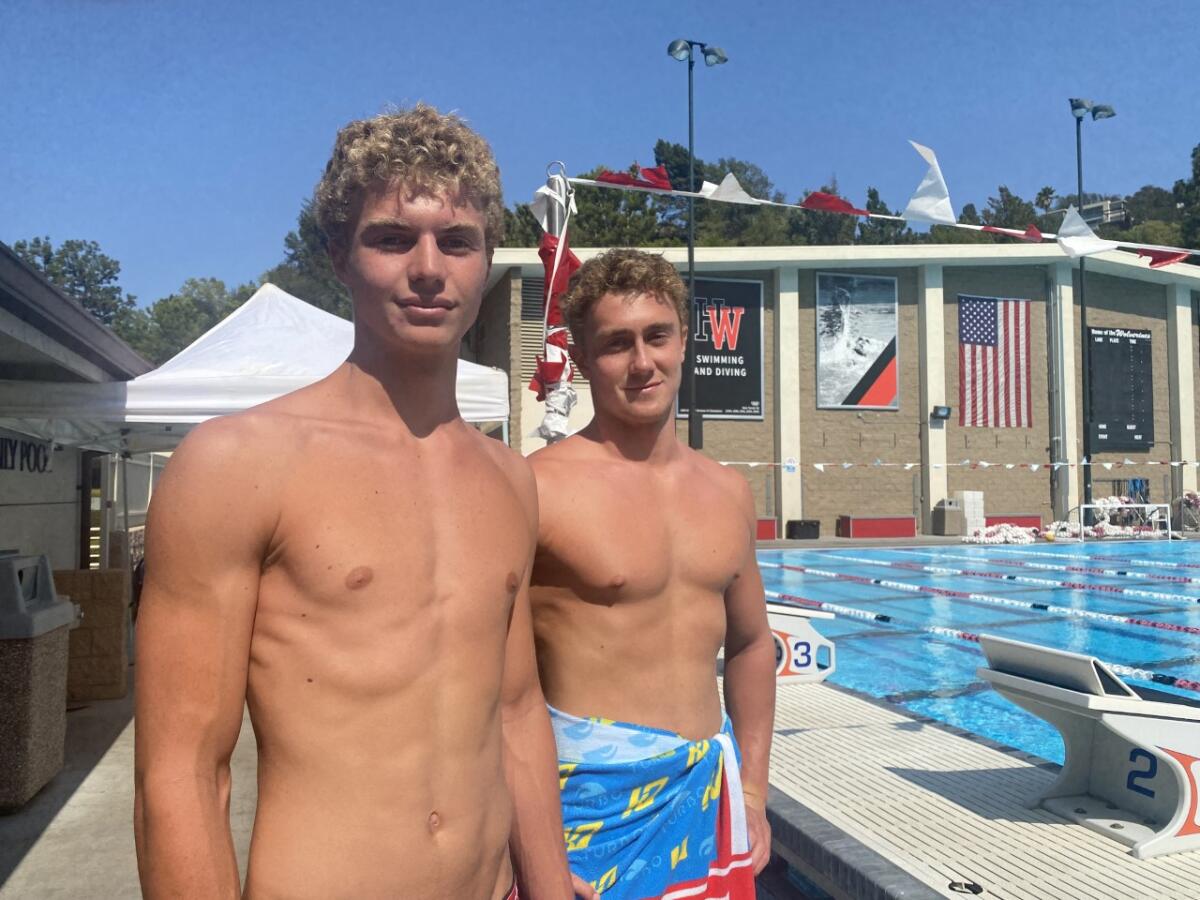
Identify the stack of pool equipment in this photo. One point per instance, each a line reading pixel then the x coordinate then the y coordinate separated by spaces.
pixel 971 504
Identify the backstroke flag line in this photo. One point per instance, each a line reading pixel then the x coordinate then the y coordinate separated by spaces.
pixel 994 367
pixel 930 203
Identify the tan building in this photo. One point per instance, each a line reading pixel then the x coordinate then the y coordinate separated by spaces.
pixel 902 460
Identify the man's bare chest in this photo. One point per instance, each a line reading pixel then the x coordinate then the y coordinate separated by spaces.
pixel 386 532
pixel 635 540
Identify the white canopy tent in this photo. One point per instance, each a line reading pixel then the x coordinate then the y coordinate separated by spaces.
pixel 273 344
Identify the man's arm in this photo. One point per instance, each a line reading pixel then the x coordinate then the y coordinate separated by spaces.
pixel 530 758
pixel 207 535
pixel 750 681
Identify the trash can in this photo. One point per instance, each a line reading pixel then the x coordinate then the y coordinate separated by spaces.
pixel 34 626
pixel 803 529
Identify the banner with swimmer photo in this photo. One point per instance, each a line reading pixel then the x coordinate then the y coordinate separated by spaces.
pixel 856 342
pixel 727 320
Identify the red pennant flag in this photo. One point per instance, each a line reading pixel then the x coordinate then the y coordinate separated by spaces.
pixel 655 179
pixel 819 200
pixel 1160 258
pixel 1031 234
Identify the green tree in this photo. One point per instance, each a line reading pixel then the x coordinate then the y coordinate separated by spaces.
pixel 1045 199
pixel 306 271
pixel 172 323
pixel 521 229
pixel 1008 211
pixel 1187 193
pixel 948 234
pixel 81 271
pixel 1152 204
pixel 877 231
pixel 611 218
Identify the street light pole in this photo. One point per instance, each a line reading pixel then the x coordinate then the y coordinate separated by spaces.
pixel 1080 108
pixel 695 416
pixel 1083 334
pixel 713 56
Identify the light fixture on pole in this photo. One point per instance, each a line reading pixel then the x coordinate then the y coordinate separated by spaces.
pixel 1079 109
pixel 713 56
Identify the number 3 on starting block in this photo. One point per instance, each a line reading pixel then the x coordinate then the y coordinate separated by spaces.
pixel 801 654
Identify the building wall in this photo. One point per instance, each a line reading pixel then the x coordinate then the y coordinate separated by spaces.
pixel 736 440
pixel 1127 303
pixel 836 436
pixel 39 511
pixel 1005 490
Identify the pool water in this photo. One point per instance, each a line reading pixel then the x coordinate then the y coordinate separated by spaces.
pixel 933 674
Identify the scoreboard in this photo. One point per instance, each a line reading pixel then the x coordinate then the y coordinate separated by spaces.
pixel 1121 388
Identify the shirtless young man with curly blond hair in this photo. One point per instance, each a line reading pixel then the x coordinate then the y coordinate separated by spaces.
pixel 352 560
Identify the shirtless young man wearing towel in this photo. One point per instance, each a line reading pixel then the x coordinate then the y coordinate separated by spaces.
pixel 352 560
pixel 645 567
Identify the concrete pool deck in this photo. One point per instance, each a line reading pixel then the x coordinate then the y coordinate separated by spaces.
pixel 866 801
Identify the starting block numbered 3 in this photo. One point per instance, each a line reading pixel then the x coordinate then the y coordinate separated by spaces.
pixel 1132 768
pixel 802 656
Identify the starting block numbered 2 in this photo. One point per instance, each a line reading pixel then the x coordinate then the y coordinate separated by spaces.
pixel 1132 768
pixel 801 654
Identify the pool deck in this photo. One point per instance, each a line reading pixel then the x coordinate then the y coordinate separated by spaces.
pixel 871 802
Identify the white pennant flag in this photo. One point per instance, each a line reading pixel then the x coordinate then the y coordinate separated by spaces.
pixel 729 190
pixel 820 467
pixel 1033 467
pixel 1077 239
pixel 908 466
pixel 931 202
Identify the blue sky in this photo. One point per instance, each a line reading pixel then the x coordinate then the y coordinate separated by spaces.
pixel 183 136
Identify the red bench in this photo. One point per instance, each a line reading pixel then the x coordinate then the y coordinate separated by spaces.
pixel 877 526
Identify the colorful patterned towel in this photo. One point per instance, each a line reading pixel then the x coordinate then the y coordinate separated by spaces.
pixel 650 815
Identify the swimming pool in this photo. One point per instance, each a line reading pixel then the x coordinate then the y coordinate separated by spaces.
pixel 905 616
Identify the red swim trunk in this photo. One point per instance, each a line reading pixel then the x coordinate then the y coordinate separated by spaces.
pixel 513 895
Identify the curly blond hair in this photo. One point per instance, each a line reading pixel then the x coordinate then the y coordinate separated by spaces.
pixel 626 272
pixel 420 148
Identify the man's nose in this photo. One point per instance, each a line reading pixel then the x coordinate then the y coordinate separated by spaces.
pixel 641 361
pixel 427 266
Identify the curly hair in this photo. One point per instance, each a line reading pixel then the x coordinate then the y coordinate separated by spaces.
pixel 420 148
pixel 626 272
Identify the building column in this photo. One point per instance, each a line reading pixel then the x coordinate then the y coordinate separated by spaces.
pixel 1065 427
pixel 789 483
pixel 1182 388
pixel 931 341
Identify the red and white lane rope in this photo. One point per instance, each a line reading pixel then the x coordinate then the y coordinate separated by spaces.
pixel 1147 564
pixel 1082 570
pixel 1124 671
pixel 1010 602
pixel 1026 579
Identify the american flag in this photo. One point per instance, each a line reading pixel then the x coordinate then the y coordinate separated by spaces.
pixel 994 388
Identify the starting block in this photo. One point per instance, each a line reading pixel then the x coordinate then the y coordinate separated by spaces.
pixel 802 656
pixel 1132 767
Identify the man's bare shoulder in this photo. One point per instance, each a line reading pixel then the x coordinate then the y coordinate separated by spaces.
pixel 726 479
pixel 513 466
pixel 564 456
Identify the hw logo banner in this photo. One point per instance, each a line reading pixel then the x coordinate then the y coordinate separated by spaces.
pixel 717 323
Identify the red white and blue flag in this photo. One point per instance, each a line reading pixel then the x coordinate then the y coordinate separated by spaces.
pixel 994 366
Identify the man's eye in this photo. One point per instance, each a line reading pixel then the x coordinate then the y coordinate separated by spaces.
pixel 393 242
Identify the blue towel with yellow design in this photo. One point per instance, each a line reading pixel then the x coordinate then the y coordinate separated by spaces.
pixel 649 814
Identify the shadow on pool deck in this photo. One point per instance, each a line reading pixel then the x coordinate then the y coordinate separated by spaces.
pixel 75 838
pixel 92 729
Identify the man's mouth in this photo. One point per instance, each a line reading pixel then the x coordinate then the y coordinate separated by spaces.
pixel 641 388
